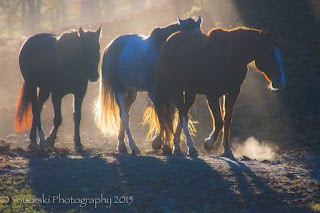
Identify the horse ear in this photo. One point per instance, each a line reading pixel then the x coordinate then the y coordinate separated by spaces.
pixel 199 21
pixel 81 32
pixel 179 20
pixel 98 32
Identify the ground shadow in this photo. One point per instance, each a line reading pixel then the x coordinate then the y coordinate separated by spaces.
pixel 258 193
pixel 149 184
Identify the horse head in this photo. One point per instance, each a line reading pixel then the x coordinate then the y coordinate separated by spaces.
pixel 91 52
pixel 268 61
pixel 190 24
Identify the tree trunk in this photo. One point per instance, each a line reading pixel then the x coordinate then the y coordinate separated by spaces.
pixel 23 17
pixel 37 17
pixel 30 19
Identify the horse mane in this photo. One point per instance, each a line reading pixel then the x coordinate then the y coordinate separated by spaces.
pixel 249 34
pixel 241 28
pixel 68 34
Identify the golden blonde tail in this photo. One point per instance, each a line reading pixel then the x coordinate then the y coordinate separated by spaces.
pixel 107 113
pixel 150 118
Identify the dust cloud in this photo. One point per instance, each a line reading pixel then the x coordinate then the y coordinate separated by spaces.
pixel 254 149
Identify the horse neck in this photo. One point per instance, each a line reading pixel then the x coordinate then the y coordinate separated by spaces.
pixel 163 34
pixel 70 48
pixel 245 45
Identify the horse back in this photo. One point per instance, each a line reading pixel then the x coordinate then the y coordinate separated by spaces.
pixel 136 58
pixel 202 63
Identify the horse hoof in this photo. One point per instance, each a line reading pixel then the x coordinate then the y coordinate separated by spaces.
pixel 193 152
pixel 177 152
pixel 50 142
pixel 44 145
pixel 228 154
pixel 122 150
pixel 166 150
pixel 33 147
pixel 156 143
pixel 78 148
pixel 136 151
pixel 207 146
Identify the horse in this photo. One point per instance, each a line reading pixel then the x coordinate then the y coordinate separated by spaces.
pixel 57 66
pixel 128 67
pixel 214 65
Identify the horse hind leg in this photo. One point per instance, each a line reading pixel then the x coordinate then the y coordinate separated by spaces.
pixel 130 98
pixel 33 135
pixel 189 99
pixel 124 103
pixel 230 101
pixel 156 141
pixel 57 120
pixel 183 116
pixel 122 148
pixel 37 106
pixel 43 97
pixel 218 123
pixel 176 140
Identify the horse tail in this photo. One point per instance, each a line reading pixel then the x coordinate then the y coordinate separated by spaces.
pixel 163 116
pixel 107 113
pixel 22 119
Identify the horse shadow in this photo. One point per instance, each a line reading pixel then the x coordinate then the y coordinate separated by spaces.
pixel 60 179
pixel 153 183
pixel 147 184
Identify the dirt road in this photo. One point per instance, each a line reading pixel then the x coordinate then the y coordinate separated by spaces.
pixel 63 181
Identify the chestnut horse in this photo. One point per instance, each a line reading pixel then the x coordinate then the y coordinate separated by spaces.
pixel 214 65
pixel 128 67
pixel 56 66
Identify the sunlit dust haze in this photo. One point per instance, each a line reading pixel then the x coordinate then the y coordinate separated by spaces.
pixel 253 149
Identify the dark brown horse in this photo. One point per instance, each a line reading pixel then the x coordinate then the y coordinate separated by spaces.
pixel 56 66
pixel 128 67
pixel 213 65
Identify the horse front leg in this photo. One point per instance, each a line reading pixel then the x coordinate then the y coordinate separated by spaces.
pixel 124 115
pixel 230 101
pixel 78 99
pixel 213 103
pixel 57 120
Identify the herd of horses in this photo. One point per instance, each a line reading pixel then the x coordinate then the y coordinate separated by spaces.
pixel 173 64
